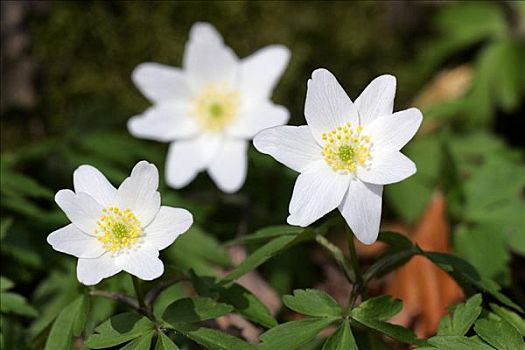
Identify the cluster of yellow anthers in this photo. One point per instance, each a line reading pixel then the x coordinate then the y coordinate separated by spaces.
pixel 216 106
pixel 117 229
pixel 346 148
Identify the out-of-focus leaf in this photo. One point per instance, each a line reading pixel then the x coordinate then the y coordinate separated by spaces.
pixel 5 283
pixel 292 335
pixel 313 302
pixel 17 184
pixel 188 310
pixel 165 343
pixel 463 318
pixel 476 244
pixel 342 339
pixel 119 329
pixel 268 233
pixel 16 304
pixel 4 226
pixel 212 339
pixel 499 334
pixel 70 322
pixel 511 317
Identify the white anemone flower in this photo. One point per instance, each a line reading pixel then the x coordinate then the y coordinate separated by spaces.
pixel 209 109
pixel 115 230
pixel 346 153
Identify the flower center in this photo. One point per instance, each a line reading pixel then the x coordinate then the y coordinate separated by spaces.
pixel 216 106
pixel 117 229
pixel 346 149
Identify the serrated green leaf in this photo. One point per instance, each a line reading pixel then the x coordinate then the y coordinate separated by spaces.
pixel 16 304
pixel 457 342
pixel 70 322
pixel 292 335
pixel 313 302
pixel 141 343
pixel 119 329
pixel 5 283
pixel 511 317
pixel 342 339
pixel 165 343
pixel 499 334
pixel 211 338
pixel 463 318
pixel 188 310
pixel 373 313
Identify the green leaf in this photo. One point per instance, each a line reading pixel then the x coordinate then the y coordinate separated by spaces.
pixel 165 343
pixel 212 339
pixel 463 318
pixel 142 343
pixel 5 224
pixel 189 310
pixel 70 322
pixel 499 334
pixel 267 233
pixel 167 297
pixel 457 342
pixel 342 339
pixel 373 313
pixel 292 335
pixel 247 304
pixel 395 239
pixel 313 302
pixel 259 257
pixel 16 304
pixel 5 283
pixel 511 317
pixel 119 329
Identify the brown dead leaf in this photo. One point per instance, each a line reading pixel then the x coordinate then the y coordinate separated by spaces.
pixel 425 289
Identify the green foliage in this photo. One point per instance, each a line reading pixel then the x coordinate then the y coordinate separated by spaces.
pixel 188 310
pixel 69 323
pixel 464 317
pixel 499 334
pixel 312 302
pixel 165 343
pixel 119 329
pixel 211 338
pixel 342 339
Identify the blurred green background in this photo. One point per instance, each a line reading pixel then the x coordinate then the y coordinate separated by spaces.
pixel 67 94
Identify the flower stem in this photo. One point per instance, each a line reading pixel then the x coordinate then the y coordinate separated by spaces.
pixel 359 287
pixel 338 256
pixel 138 290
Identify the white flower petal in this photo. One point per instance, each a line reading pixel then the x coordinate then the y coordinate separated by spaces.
pixel 90 180
pixel 317 191
pixel 186 158
pixel 261 71
pixel 92 271
pixel 139 193
pixel 228 169
pixel 164 122
pixel 207 59
pixel 361 209
pixel 161 83
pixel 167 226
pixel 142 262
pixel 81 209
pixel 293 146
pixel 387 168
pixel 70 240
pixel 327 105
pixel 261 116
pixel 392 132
pixel 377 99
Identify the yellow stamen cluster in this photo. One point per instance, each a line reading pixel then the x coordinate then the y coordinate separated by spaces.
pixel 346 149
pixel 117 229
pixel 216 106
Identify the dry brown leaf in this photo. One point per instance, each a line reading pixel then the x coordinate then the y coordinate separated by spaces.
pixel 425 289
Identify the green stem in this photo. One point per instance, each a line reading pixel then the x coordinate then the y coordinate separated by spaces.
pixel 338 256
pixel 138 290
pixel 359 287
